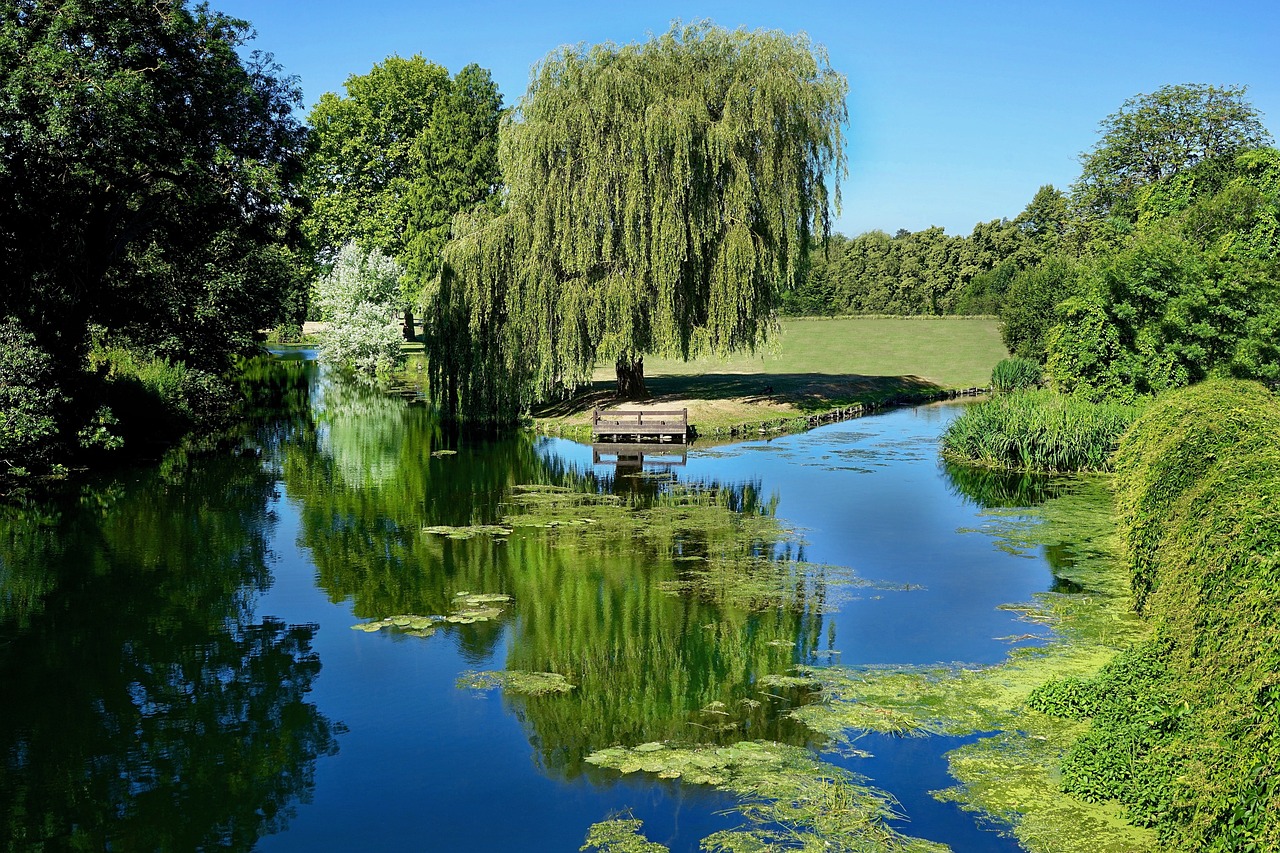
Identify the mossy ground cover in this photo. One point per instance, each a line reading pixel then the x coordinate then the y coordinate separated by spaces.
pixel 816 365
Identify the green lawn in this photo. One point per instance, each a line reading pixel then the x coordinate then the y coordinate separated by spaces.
pixel 815 365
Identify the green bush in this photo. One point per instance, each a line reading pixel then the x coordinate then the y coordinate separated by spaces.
pixel 1038 431
pixel 1189 739
pixel 29 402
pixel 151 397
pixel 1014 374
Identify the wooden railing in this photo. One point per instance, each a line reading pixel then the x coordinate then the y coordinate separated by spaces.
pixel 640 425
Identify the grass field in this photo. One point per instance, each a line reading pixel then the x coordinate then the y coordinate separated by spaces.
pixel 814 366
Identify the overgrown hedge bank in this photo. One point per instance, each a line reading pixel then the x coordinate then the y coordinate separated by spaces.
pixel 1186 729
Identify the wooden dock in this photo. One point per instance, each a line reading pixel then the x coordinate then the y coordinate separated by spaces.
pixel 640 427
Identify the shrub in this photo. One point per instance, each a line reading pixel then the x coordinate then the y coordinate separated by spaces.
pixel 1189 738
pixel 1038 431
pixel 1014 374
pixel 29 401
pixel 358 300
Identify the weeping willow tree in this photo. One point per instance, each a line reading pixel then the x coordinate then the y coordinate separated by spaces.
pixel 660 198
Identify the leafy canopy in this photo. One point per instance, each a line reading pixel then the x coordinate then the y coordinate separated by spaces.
pixel 1153 137
pixel 660 197
pixel 148 175
pixel 397 156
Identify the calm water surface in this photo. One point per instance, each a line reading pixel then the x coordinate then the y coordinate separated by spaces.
pixel 179 671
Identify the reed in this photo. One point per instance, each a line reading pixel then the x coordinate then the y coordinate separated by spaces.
pixel 1038 430
pixel 1014 374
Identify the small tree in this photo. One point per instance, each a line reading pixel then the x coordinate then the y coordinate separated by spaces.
pixel 359 299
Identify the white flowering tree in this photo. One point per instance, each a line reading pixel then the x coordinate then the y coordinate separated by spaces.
pixel 358 300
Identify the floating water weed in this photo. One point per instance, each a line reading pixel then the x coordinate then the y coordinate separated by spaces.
pixel 620 835
pixel 468 531
pixel 791 799
pixel 517 681
pixel 415 626
pixel 1013 775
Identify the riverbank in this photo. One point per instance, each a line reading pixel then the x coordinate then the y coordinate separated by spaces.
pixel 818 370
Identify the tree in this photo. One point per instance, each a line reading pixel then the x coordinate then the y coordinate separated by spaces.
pixel 1152 137
pixel 148 175
pixel 358 299
pixel 396 157
pixel 661 197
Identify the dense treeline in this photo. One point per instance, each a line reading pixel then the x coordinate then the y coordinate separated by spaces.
pixel 930 272
pixel 1161 268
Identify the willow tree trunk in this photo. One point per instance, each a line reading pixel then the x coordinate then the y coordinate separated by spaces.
pixel 631 379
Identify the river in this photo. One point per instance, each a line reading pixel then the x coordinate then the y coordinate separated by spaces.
pixel 180 669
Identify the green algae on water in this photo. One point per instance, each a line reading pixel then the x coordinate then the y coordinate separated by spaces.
pixel 414 626
pixel 620 835
pixel 791 799
pixel 467 532
pixel 1013 774
pixel 516 681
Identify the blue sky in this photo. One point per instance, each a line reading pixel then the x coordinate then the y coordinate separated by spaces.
pixel 959 111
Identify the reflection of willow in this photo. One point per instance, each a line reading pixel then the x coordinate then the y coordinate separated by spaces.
pixel 144 707
pixel 991 488
pixel 648 665
pixel 593 602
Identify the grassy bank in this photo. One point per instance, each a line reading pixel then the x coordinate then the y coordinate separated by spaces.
pixel 815 367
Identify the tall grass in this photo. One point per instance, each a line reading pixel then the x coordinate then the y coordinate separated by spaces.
pixel 1038 431
pixel 1014 374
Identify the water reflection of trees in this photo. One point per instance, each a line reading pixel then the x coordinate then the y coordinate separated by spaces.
pixel 991 488
pixel 592 605
pixel 145 705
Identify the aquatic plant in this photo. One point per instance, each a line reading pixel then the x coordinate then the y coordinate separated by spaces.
pixel 620 835
pixel 1014 374
pixel 1013 775
pixel 790 797
pixel 1038 431
pixel 516 681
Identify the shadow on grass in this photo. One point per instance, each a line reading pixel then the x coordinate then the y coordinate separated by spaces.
pixel 807 392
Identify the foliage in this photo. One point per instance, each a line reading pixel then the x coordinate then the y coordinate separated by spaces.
pixel 29 401
pixel 1162 314
pixel 149 397
pixel 620 835
pixel 149 176
pixel 1015 374
pixel 396 157
pixel 1186 726
pixel 1157 136
pixel 1029 308
pixel 1038 431
pixel 357 299
pixel 929 272
pixel 660 196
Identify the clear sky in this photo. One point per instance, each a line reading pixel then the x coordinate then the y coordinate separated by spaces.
pixel 959 111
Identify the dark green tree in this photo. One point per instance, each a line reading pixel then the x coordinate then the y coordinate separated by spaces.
pixel 661 197
pixel 148 176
